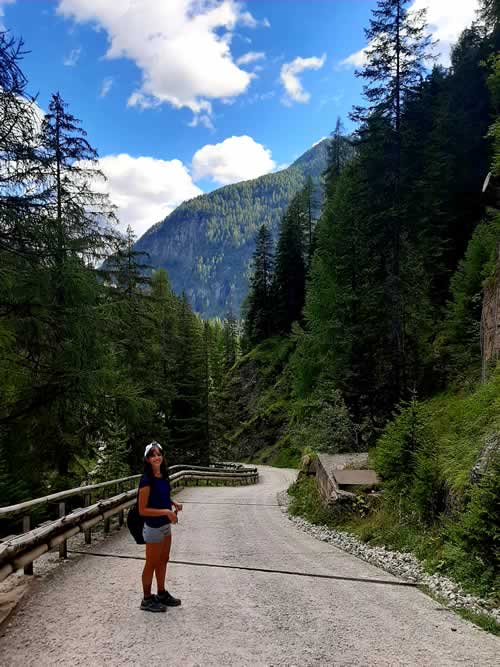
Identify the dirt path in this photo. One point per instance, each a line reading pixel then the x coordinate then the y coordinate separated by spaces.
pixel 87 611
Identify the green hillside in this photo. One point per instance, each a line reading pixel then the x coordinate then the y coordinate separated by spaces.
pixel 206 244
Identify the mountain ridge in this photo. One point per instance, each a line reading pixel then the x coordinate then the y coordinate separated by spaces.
pixel 206 243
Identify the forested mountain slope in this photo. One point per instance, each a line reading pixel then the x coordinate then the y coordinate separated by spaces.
pixel 206 243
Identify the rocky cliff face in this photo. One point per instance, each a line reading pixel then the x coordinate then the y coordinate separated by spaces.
pixel 490 320
pixel 256 405
pixel 206 244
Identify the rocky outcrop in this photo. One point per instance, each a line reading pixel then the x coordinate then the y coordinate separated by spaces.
pixel 336 482
pixel 490 448
pixel 256 402
pixel 490 321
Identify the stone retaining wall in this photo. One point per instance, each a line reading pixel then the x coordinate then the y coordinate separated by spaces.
pixel 329 487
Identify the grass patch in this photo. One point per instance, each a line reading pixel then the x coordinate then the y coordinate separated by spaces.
pixel 481 620
pixel 383 527
pixel 432 506
pixel 271 356
pixel 306 502
pixel 460 421
pixel 430 545
pixel 282 454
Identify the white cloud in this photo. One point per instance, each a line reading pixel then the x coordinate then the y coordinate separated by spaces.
pixel 258 97
pixel 446 20
pixel 248 20
pixel 203 120
pixel 106 86
pixel 145 189
pixel 357 59
pixel 182 47
pixel 72 59
pixel 235 159
pixel 291 82
pixel 2 12
pixel 250 57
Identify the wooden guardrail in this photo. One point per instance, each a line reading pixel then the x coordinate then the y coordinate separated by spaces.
pixel 19 551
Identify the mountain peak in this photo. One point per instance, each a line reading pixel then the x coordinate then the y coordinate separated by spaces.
pixel 206 243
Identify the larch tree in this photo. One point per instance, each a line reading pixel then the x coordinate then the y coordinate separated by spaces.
pixel 259 320
pixel 290 267
pixel 399 47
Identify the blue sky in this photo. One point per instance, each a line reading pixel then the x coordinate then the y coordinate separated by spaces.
pixel 182 96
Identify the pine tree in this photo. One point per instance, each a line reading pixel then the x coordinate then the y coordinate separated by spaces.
pixel 21 197
pixel 162 337
pixel 207 387
pixel 259 319
pixel 230 336
pixel 77 230
pixel 397 49
pixel 339 153
pixel 290 267
pixel 216 387
pixel 460 339
pixel 189 441
pixel 310 205
pixel 81 217
pixel 126 273
pixel 113 453
pixel 489 14
pixel 127 269
pixel 347 330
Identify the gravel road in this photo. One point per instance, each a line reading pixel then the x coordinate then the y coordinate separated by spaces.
pixel 86 612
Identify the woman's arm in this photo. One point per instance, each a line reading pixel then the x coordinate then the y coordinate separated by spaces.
pixel 144 510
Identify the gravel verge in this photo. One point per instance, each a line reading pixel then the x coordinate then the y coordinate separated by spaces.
pixel 403 565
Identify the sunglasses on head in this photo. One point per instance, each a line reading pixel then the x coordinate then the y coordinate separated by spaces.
pixel 152 445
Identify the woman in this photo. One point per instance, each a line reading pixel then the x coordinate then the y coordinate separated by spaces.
pixel 156 505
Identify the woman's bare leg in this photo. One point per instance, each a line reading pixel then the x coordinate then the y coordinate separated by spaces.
pixel 161 565
pixel 153 554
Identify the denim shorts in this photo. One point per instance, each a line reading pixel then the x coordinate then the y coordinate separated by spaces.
pixel 155 535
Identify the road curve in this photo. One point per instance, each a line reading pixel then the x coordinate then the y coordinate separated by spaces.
pixel 87 611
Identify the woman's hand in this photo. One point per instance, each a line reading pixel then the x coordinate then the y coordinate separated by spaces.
pixel 171 516
pixel 178 506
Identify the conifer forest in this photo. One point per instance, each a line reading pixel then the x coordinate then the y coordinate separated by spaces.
pixel 363 327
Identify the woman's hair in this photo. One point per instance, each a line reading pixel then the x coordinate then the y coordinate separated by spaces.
pixel 148 468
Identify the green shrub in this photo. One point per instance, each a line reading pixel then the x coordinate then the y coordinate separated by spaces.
pixel 306 502
pixel 323 422
pixel 406 458
pixel 478 531
pixel 428 490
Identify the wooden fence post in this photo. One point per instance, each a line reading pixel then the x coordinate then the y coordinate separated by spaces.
pixel 87 500
pixel 107 522
pixel 28 569
pixel 121 515
pixel 63 547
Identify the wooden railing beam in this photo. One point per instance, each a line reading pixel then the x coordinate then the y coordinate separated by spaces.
pixel 19 551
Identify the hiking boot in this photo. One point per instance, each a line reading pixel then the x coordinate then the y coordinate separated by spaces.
pixel 166 599
pixel 152 604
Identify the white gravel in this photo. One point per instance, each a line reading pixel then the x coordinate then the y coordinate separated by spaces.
pixel 401 564
pixel 87 612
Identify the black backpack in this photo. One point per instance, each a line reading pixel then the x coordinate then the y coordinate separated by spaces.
pixel 135 523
